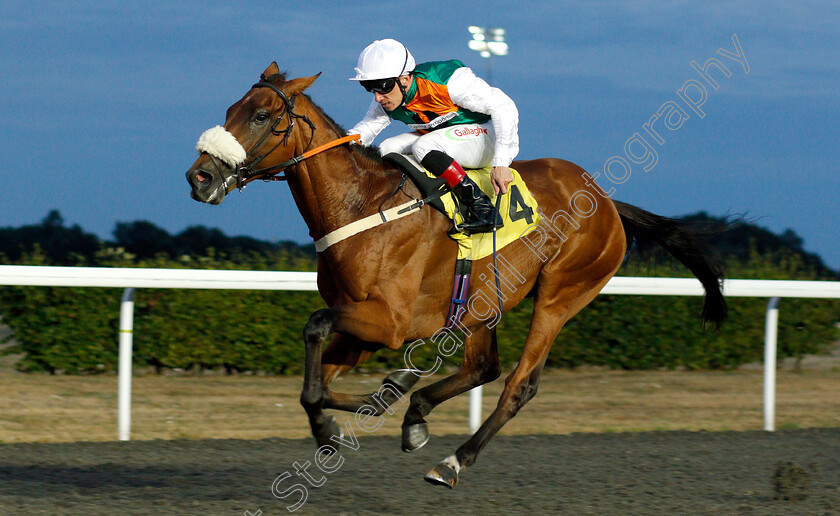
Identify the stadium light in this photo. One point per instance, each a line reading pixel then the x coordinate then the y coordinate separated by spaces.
pixel 488 42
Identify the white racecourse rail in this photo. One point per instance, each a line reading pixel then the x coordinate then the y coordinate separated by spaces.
pixel 131 278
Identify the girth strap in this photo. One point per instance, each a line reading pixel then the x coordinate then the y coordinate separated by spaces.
pixel 371 221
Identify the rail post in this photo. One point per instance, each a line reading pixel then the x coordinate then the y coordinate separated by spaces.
pixel 475 409
pixel 771 330
pixel 126 342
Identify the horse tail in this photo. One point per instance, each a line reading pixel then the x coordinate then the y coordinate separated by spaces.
pixel 645 229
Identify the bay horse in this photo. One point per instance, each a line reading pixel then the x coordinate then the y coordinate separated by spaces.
pixel 391 284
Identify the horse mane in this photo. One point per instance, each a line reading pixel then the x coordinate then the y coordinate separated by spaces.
pixel 371 161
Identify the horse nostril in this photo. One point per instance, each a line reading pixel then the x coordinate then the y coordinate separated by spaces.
pixel 202 178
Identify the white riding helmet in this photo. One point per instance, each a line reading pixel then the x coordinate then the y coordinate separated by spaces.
pixel 383 59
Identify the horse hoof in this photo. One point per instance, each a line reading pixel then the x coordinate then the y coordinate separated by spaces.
pixel 404 379
pixel 414 437
pixel 329 429
pixel 442 475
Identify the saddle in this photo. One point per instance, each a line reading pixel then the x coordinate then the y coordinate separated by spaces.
pixel 431 188
pixel 517 208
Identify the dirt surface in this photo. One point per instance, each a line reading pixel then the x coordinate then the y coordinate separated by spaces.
pixel 617 471
pixel 787 472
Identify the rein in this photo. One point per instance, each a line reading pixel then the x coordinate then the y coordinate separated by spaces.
pixel 298 159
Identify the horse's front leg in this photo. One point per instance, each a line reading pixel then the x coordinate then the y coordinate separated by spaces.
pixel 344 353
pixel 360 324
pixel 321 324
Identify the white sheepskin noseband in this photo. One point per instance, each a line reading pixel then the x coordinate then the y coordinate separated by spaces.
pixel 218 142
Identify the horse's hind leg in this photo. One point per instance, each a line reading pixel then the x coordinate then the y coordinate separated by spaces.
pixel 521 384
pixel 481 365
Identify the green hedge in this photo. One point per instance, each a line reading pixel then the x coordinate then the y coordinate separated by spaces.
pixel 74 330
pixel 647 332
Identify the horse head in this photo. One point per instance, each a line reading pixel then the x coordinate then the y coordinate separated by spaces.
pixel 257 140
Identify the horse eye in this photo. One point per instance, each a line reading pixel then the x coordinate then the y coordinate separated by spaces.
pixel 261 117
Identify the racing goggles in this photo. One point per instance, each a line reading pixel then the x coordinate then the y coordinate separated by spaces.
pixel 381 86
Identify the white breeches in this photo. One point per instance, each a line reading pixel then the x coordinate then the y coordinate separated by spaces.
pixel 471 145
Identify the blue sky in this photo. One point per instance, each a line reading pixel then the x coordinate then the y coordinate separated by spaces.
pixel 102 102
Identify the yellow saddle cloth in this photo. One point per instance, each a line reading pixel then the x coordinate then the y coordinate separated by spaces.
pixel 518 210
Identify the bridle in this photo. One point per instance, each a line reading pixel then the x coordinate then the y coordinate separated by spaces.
pixel 249 172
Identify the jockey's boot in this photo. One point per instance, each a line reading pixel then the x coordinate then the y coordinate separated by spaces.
pixel 476 207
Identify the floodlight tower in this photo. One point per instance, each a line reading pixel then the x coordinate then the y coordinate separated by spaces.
pixel 488 42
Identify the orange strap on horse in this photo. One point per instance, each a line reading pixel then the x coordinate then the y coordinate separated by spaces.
pixel 316 150
pixel 330 145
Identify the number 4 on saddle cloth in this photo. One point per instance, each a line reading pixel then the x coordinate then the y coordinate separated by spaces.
pixel 518 210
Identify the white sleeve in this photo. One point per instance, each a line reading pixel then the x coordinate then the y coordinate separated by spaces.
pixel 471 92
pixel 372 124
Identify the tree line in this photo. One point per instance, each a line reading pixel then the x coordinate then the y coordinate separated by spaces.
pixel 72 245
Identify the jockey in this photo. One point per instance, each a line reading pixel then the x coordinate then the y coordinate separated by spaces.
pixel 457 120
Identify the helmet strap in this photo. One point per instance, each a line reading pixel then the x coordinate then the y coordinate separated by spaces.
pixel 402 89
pixel 399 83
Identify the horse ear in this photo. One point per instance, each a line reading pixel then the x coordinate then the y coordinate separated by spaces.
pixel 271 70
pixel 300 84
